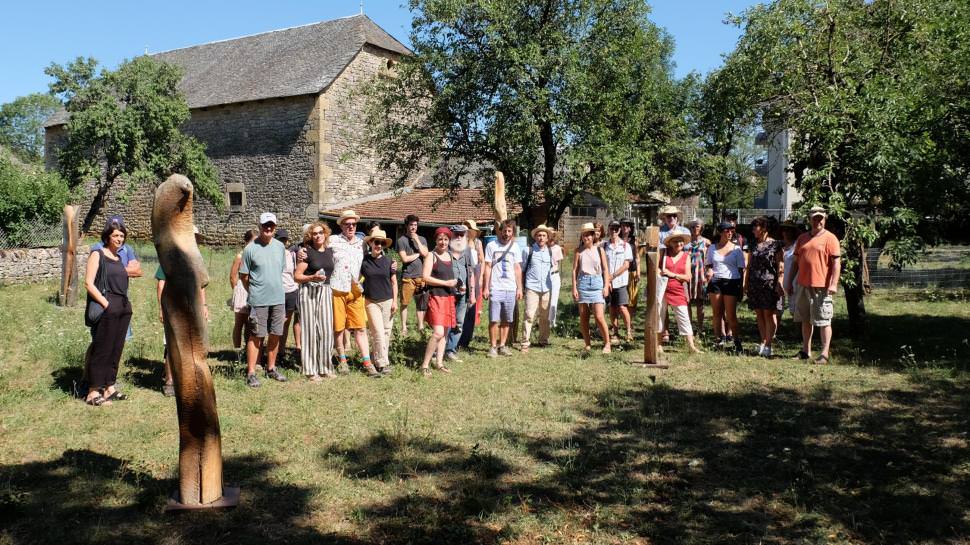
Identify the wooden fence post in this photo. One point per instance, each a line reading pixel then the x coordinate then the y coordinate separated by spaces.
pixel 651 348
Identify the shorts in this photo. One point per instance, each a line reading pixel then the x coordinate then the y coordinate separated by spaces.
pixel 590 288
pixel 408 287
pixel 292 301
pixel 348 311
pixel 266 320
pixel 501 306
pixel 813 304
pixel 441 311
pixel 619 297
pixel 725 286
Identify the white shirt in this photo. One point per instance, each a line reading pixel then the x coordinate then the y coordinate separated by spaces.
pixel 616 255
pixel 503 258
pixel 347 258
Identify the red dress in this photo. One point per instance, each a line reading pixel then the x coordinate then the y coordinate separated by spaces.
pixel 676 295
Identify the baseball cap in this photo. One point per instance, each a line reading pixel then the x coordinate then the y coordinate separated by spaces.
pixel 117 219
pixel 267 217
pixel 459 229
pixel 281 234
pixel 614 224
pixel 725 225
pixel 816 211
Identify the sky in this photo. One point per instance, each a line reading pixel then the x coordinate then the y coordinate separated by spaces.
pixel 34 35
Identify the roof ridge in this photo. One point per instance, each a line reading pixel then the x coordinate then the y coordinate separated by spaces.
pixel 262 33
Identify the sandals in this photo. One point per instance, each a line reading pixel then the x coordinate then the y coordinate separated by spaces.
pixel 442 368
pixel 426 372
pixel 117 396
pixel 821 360
pixel 96 401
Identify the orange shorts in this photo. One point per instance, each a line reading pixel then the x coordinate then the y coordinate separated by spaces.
pixel 348 311
pixel 408 287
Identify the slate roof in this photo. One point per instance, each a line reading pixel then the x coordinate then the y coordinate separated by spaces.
pixel 433 206
pixel 281 63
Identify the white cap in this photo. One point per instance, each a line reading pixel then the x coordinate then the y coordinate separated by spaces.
pixel 267 217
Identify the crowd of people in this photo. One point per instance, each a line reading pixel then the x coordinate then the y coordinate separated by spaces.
pixel 340 290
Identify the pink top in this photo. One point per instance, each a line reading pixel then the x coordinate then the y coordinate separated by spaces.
pixel 675 295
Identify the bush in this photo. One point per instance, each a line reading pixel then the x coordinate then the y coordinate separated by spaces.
pixel 28 196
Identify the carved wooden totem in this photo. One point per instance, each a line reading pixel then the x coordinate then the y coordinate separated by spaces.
pixel 200 446
pixel 67 297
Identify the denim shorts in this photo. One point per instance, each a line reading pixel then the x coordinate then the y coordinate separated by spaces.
pixel 590 289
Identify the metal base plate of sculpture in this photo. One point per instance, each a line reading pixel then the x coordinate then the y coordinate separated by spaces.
pixel 200 444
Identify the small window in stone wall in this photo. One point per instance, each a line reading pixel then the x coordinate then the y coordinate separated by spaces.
pixel 389 69
pixel 236 197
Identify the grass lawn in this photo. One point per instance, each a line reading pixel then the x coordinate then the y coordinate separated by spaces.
pixel 544 448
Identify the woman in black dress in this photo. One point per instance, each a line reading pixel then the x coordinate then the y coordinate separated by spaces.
pixel 765 271
pixel 107 283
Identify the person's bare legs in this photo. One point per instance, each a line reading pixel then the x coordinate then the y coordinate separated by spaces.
pixel 731 316
pixel 404 320
pixel 237 329
pixel 286 331
pixel 421 323
pixel 584 324
pixel 503 332
pixel 272 349
pixel 435 348
pixel 807 330
pixel 493 334
pixel 625 311
pixel 360 336
pixel 762 327
pixel 717 315
pixel 297 335
pixel 253 345
pixel 339 339
pixel 825 332
pixel 601 322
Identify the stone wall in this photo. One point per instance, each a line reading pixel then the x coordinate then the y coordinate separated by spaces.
pixel 37 265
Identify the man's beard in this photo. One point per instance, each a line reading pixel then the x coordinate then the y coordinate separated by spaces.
pixel 458 244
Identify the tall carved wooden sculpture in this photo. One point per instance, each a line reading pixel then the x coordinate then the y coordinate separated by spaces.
pixel 200 446
pixel 651 346
pixel 67 297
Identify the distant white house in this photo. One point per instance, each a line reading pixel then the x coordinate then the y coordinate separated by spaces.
pixel 780 193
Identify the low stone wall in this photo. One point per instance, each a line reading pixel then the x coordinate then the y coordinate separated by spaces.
pixel 36 265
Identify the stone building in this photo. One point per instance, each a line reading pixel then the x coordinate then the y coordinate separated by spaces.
pixel 280 122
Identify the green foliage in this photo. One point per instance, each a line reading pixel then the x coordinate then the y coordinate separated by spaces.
pixel 126 124
pixel 562 96
pixel 22 124
pixel 28 196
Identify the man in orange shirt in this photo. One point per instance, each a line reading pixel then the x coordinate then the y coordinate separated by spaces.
pixel 816 270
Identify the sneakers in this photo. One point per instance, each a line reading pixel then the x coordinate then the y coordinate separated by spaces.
pixel 252 381
pixel 761 349
pixel 343 368
pixel 766 353
pixel 386 370
pixel 451 356
pixel 168 390
pixel 371 370
pixel 504 350
pixel 275 375
pixel 802 355
pixel 492 352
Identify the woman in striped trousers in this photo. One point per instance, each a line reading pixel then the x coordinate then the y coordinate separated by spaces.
pixel 316 304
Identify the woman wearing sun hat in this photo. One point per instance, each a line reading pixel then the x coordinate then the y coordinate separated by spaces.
pixel 380 296
pixel 676 268
pixel 591 286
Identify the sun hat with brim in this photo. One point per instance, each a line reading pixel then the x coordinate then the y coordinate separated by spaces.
pixel 817 211
pixel 549 231
pixel 724 225
pixel 669 210
pixel 695 221
pixel 587 228
pixel 471 225
pixel 677 237
pixel 378 234
pixel 346 215
pixel 443 231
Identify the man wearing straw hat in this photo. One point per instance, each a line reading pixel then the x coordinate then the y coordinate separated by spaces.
pixel 348 296
pixel 537 277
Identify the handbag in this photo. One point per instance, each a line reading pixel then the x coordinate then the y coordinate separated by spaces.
pixel 94 310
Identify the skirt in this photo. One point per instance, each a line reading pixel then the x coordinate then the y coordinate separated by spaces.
pixel 441 311
pixel 239 298
pixel 590 289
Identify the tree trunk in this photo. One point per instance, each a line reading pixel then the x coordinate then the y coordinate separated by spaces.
pixel 97 203
pixel 855 295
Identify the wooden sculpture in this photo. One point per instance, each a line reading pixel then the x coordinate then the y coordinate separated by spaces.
pixel 200 445
pixel 651 346
pixel 67 297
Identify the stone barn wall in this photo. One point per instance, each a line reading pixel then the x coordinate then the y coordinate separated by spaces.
pixel 29 266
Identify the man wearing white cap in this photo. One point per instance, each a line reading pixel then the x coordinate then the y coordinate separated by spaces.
pixel 261 272
pixel 816 270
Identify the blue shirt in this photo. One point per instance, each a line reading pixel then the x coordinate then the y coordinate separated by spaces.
pixel 538 277
pixel 264 264
pixel 126 253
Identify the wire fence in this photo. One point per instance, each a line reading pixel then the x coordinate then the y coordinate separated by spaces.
pixel 940 267
pixel 36 235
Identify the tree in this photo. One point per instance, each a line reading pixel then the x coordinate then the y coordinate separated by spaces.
pixel 28 196
pixel 563 96
pixel 22 124
pixel 880 138
pixel 124 124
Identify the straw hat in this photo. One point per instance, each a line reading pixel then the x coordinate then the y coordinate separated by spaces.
pixel 550 232
pixel 675 237
pixel 472 225
pixel 670 210
pixel 378 234
pixel 587 227
pixel 346 215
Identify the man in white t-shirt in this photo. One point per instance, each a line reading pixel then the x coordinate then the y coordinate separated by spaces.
pixel 502 286
pixel 619 256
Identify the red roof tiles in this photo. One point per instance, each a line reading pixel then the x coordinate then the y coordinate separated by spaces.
pixel 432 205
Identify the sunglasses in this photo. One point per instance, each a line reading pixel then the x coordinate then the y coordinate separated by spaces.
pixel 349 224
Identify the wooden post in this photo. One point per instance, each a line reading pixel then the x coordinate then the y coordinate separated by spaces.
pixel 651 348
pixel 67 296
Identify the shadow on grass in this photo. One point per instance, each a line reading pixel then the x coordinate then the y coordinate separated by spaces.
pixel 670 466
pixel 88 497
pixel 909 341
